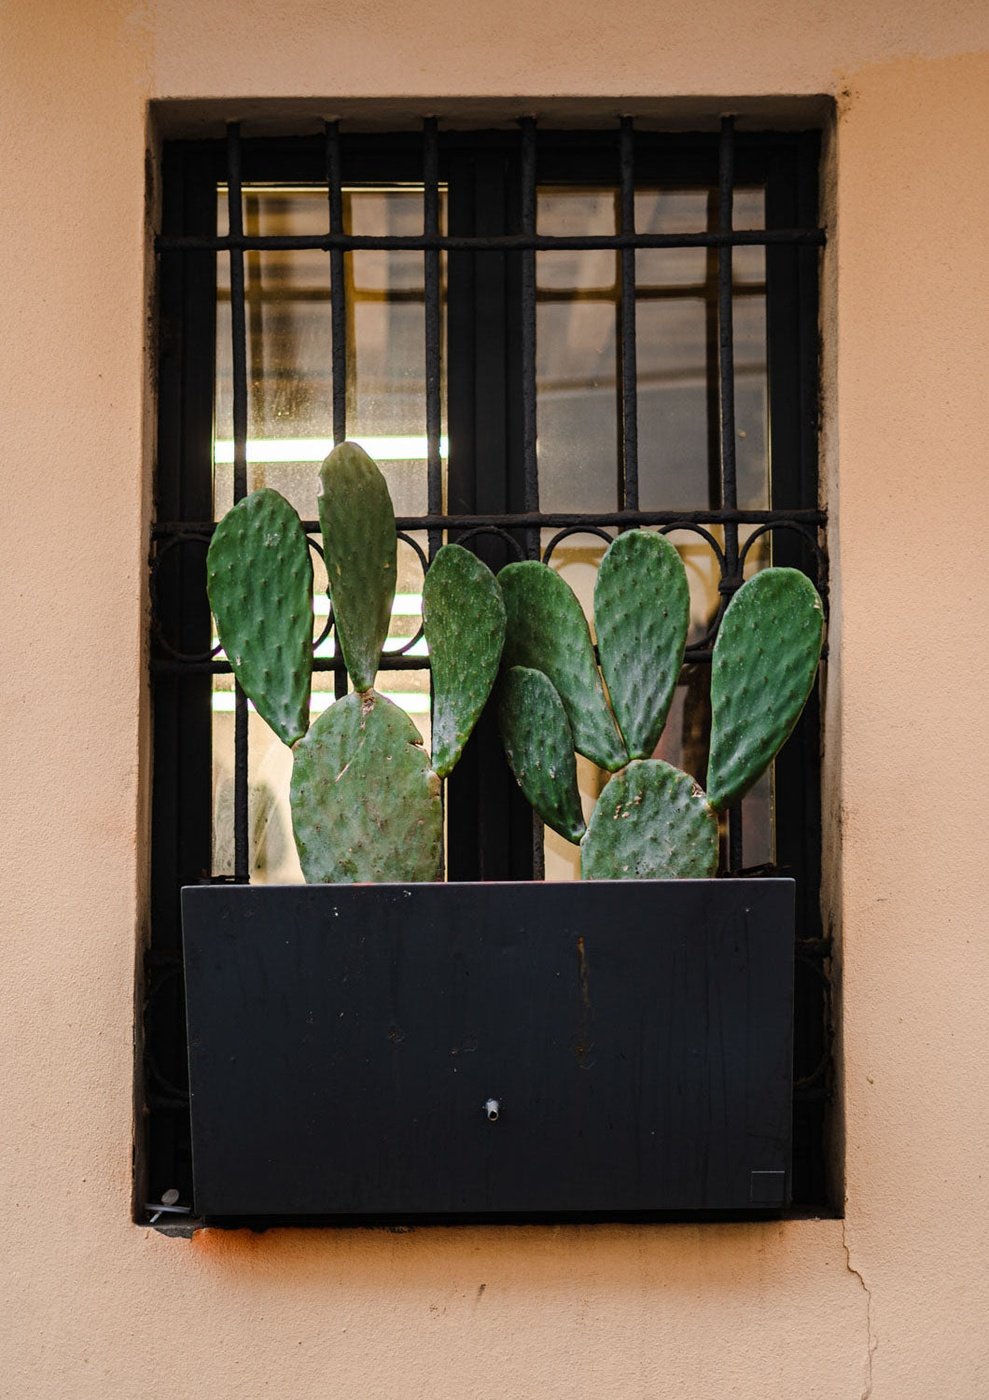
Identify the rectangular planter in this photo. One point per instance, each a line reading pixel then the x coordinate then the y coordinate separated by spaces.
pixel 452 1053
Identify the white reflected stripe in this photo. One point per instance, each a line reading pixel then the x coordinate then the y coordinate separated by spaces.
pixel 382 449
pixel 411 702
pixel 405 605
pixel 392 644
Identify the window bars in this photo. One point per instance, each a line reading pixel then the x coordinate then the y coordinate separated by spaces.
pixel 800 523
pixel 526 243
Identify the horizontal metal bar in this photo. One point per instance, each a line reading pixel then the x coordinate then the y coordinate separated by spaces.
pixel 550 520
pixel 169 665
pixel 497 243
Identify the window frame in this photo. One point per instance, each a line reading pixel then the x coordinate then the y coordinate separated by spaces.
pixel 491 828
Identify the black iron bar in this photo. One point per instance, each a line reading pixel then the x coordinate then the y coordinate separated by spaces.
pixel 169 665
pixel 338 305
pixel 726 402
pixel 726 348
pixel 494 243
pixel 338 312
pixel 629 451
pixel 178 529
pixel 530 466
pixel 238 323
pixel 238 332
pixel 431 274
pixel 530 470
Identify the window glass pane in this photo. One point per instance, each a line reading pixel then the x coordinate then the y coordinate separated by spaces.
pixel 289 345
pixel 576 403
pixel 289 372
pixel 677 355
pixel 290 414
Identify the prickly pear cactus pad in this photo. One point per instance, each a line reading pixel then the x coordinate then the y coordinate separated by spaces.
pixel 539 745
pixel 358 525
pixel 641 613
pixel 652 822
pixel 463 617
pixel 259 580
pixel 764 664
pixel 365 803
pixel 546 629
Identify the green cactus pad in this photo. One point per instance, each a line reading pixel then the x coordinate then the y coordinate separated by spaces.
pixel 259 580
pixel 463 617
pixel 652 822
pixel 539 745
pixel 546 629
pixel 764 664
pixel 365 804
pixel 358 524
pixel 641 614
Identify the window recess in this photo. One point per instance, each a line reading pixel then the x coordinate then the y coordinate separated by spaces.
pixel 544 337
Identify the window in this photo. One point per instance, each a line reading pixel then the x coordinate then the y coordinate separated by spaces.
pixel 543 337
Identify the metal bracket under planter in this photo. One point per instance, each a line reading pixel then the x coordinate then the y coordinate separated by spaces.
pixel 485 1052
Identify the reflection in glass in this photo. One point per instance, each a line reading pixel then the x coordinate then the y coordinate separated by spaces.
pixel 577 369
pixel 289 366
pixel 289 372
pixel 677 356
pixel 576 403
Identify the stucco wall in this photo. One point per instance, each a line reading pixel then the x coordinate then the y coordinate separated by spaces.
pixel 892 1301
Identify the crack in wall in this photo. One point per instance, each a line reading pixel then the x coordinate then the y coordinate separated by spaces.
pixel 872 1342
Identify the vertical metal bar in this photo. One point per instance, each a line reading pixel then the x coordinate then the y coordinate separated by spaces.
pixel 238 330
pixel 238 324
pixel 629 469
pixel 530 466
pixel 338 325
pixel 726 348
pixel 338 304
pixel 530 470
pixel 726 394
pixel 431 292
pixel 431 273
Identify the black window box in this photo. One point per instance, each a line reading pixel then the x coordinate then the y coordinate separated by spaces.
pixel 489 1052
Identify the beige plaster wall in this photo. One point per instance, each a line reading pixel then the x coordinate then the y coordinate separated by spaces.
pixel 891 1302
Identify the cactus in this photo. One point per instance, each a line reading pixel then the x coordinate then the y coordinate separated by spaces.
pixel 641 614
pixel 539 745
pixel 365 803
pixel 259 580
pixel 651 822
pixel 463 618
pixel 764 664
pixel 358 525
pixel 546 630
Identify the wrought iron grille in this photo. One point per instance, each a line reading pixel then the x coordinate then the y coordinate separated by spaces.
pixel 489 494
